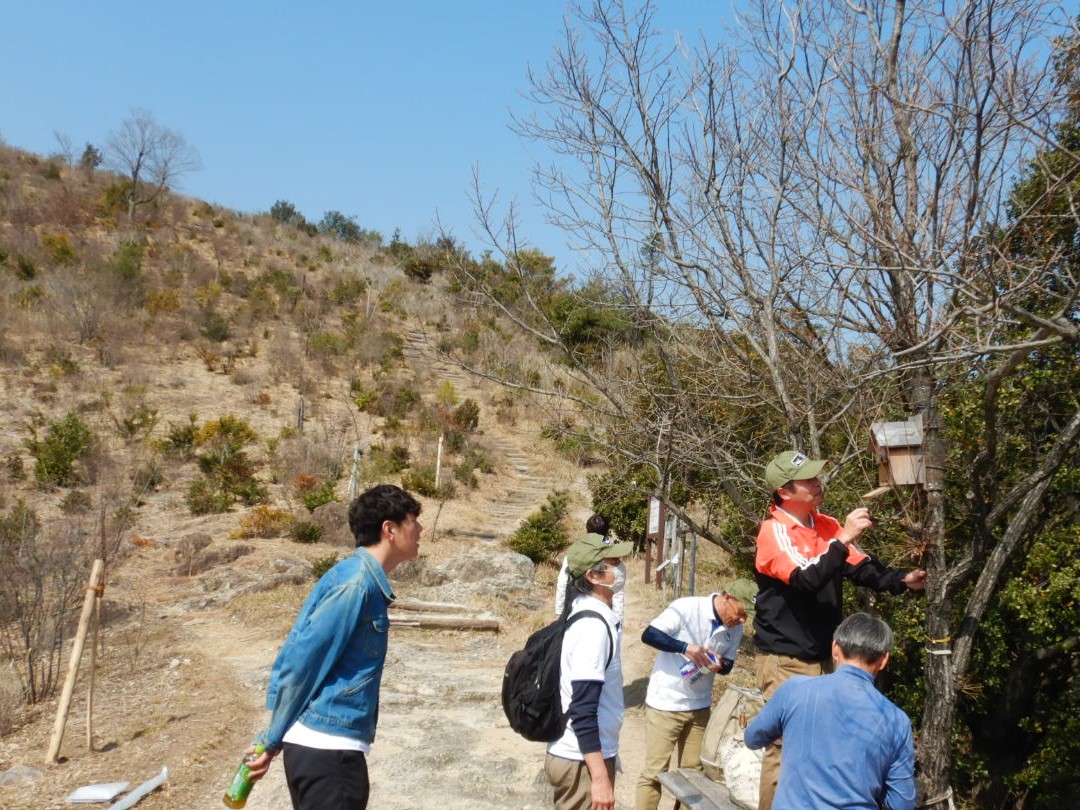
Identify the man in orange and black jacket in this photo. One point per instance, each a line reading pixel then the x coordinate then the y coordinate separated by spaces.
pixel 803 557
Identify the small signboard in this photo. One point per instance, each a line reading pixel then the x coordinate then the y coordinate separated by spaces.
pixel 654 538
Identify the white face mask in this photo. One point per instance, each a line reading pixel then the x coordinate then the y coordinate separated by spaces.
pixel 620 579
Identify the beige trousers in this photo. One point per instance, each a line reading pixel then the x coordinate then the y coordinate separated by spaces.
pixel 570 778
pixel 667 732
pixel 773 670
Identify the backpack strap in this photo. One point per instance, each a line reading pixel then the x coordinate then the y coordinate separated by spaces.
pixel 611 641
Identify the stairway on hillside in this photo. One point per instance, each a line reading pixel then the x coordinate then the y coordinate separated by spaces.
pixel 523 461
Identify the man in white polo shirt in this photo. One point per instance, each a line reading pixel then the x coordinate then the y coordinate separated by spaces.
pixel 698 637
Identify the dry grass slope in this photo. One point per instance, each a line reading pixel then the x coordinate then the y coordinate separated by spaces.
pixel 153 334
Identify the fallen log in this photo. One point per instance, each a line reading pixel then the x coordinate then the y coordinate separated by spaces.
pixel 445 623
pixel 431 607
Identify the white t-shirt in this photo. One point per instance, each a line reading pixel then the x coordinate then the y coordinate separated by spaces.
pixel 299 734
pixel 690 619
pixel 617 601
pixel 584 656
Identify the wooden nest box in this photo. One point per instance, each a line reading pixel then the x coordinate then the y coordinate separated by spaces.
pixel 897 448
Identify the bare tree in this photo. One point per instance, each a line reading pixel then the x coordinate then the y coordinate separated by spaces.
pixel 151 156
pixel 805 224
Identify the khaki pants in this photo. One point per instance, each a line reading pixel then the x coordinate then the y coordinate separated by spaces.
pixel 773 670
pixel 665 732
pixel 570 778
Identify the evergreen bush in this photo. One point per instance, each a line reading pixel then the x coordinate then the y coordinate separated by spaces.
pixel 543 534
pixel 307 532
pixel 65 442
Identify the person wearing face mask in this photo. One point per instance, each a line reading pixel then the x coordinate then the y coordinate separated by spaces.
pixel 580 765
pixel 596 524
pixel 698 638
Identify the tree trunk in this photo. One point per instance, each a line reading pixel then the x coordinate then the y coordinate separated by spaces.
pixel 935 740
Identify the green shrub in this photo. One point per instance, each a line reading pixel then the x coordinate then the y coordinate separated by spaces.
pixel 381 462
pixel 422 481
pixel 446 394
pixel 328 344
pixel 24 267
pixel 323 493
pixel 307 532
pixel 60 360
pixel 213 327
pixel 348 290
pixel 207 497
pixel 397 402
pixel 115 199
pixel 179 441
pixel 474 460
pixel 28 297
pixel 421 268
pixel 365 400
pixel 60 249
pixel 542 534
pixel 460 422
pixel 283 282
pixel 140 422
pixel 250 492
pixel 228 473
pixel 65 442
pixel 320 565
pixel 126 264
pixel 570 444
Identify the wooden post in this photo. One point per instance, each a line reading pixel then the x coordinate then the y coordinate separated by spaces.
pixel 73 664
pixel 693 562
pixel 93 668
pixel 354 477
pixel 438 461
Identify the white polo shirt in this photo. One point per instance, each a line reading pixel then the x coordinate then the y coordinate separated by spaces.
pixel 690 619
pixel 584 658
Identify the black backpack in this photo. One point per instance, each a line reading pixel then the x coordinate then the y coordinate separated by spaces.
pixel 530 690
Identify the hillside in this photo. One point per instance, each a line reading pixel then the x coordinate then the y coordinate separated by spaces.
pixel 195 334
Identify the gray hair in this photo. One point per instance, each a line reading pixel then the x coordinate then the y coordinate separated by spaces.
pixel 864 637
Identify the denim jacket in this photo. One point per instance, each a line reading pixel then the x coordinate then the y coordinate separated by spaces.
pixel 328 671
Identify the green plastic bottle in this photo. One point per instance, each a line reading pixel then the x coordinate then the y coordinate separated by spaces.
pixel 242 783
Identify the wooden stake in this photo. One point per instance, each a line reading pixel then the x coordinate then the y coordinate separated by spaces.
pixel 73 664
pixel 93 669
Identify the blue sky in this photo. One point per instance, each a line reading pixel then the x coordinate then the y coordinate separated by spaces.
pixel 379 110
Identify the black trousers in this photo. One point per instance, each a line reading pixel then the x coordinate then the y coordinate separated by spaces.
pixel 326 780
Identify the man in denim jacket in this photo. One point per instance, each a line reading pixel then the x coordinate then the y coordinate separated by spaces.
pixel 324 685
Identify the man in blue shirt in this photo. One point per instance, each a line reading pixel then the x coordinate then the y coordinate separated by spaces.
pixel 845 744
pixel 324 685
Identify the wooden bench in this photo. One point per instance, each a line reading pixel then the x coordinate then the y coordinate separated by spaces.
pixel 693 789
